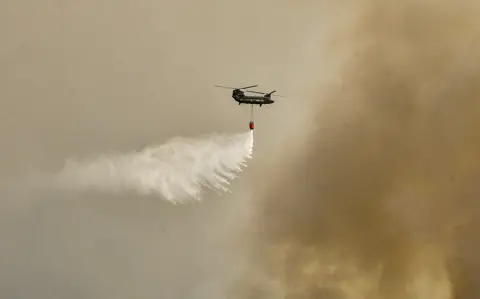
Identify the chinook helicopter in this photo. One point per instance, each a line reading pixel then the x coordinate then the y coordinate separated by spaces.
pixel 238 94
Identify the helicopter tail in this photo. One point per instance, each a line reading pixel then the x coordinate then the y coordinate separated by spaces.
pixel 270 94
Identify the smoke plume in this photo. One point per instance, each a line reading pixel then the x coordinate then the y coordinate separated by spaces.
pixel 382 202
pixel 177 170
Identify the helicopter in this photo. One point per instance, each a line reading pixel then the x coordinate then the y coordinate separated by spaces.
pixel 239 95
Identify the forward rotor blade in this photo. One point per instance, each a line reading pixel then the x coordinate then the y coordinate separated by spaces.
pixel 225 87
pixel 255 92
pixel 248 87
pixel 228 87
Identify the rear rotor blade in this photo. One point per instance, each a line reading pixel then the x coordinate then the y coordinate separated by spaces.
pixel 264 93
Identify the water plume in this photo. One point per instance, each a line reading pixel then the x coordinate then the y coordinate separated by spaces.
pixel 178 170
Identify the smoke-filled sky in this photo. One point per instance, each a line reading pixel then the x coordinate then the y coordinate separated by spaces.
pixel 382 200
pixel 79 78
pixel 376 201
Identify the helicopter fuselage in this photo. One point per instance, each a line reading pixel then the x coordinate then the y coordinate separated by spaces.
pixel 241 98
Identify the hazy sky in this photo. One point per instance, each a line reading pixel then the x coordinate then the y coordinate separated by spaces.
pixel 85 77
pixel 386 176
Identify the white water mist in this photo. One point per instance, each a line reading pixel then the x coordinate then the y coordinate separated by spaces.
pixel 177 170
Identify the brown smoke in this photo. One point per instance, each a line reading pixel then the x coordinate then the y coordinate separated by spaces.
pixel 383 201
